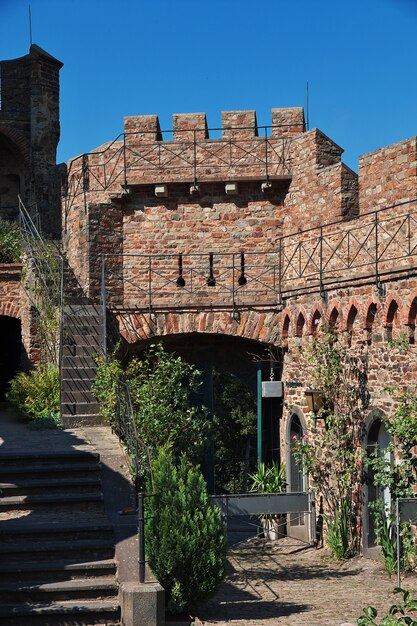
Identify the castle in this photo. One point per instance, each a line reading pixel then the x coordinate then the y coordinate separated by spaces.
pixel 224 247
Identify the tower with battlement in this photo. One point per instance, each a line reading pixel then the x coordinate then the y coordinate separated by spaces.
pixel 29 135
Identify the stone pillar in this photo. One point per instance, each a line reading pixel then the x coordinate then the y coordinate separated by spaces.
pixel 142 604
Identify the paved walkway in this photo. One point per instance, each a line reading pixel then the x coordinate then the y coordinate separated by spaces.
pixel 269 584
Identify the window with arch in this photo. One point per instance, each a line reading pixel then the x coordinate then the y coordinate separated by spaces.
pixel 285 330
pixel 334 318
pixel 300 327
pixel 370 322
pixel 316 322
pixel 393 322
pixel 411 321
pixel 350 321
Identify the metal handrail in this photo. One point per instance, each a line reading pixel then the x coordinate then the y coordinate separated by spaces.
pixel 100 169
pixel 311 259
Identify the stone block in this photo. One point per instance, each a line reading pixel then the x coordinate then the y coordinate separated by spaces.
pixel 186 126
pixel 288 121
pixel 239 124
pixel 144 128
pixel 142 604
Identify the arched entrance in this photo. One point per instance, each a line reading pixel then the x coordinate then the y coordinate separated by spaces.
pixel 379 439
pixel 229 367
pixel 296 479
pixel 10 351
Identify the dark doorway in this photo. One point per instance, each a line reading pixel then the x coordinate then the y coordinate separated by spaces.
pixel 10 351
pixel 298 527
pixel 378 439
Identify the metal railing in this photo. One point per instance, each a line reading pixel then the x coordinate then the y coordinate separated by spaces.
pixel 139 157
pixel 44 282
pixel 172 281
pixel 366 247
pixel 270 505
pixel 138 453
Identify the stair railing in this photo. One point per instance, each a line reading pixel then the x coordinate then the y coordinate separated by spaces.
pixel 125 428
pixel 45 260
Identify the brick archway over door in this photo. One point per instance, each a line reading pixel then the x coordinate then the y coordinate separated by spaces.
pixel 255 325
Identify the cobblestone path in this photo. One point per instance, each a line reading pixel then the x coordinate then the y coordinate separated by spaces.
pixel 269 583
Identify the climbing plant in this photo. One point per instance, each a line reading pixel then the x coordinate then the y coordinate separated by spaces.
pixel 11 244
pixel 331 455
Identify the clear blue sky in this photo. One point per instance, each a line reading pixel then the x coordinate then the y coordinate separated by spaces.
pixel 132 57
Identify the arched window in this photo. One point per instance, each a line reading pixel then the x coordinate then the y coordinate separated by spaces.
pixel 334 318
pixel 352 317
pixel 370 322
pixel 285 330
pixel 299 328
pixel 411 321
pixel 315 322
pixel 392 322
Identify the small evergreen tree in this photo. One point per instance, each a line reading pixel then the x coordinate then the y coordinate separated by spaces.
pixel 185 539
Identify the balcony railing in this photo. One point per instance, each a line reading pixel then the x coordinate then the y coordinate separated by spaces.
pixel 368 248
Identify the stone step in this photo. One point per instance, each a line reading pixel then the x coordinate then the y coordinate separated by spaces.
pixel 80 408
pixel 77 360
pixel 70 613
pixel 33 591
pixel 77 397
pixel 83 309
pixel 74 420
pixel 88 323
pixel 94 500
pixel 57 529
pixel 46 458
pixel 78 339
pixel 74 485
pixel 78 379
pixel 56 570
pixel 35 551
pixel 14 472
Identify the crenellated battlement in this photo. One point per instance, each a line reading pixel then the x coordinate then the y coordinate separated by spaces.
pixel 238 125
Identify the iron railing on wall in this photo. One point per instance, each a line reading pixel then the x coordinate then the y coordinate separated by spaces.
pixel 367 247
pixel 137 157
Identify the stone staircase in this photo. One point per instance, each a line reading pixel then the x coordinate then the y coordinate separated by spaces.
pixel 56 544
pixel 82 341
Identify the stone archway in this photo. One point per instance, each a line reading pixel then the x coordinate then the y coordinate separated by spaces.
pixel 229 356
pixel 10 351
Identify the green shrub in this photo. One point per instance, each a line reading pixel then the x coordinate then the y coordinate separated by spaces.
pixel 269 479
pixel 185 539
pixel 10 242
pixel 161 386
pixel 398 614
pixel 36 393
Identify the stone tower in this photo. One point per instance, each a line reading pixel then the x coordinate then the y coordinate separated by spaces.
pixel 29 135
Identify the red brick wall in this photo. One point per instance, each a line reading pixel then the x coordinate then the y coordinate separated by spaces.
pixel 388 175
pixel 10 290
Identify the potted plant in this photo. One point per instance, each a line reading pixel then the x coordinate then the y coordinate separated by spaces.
pixel 270 479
